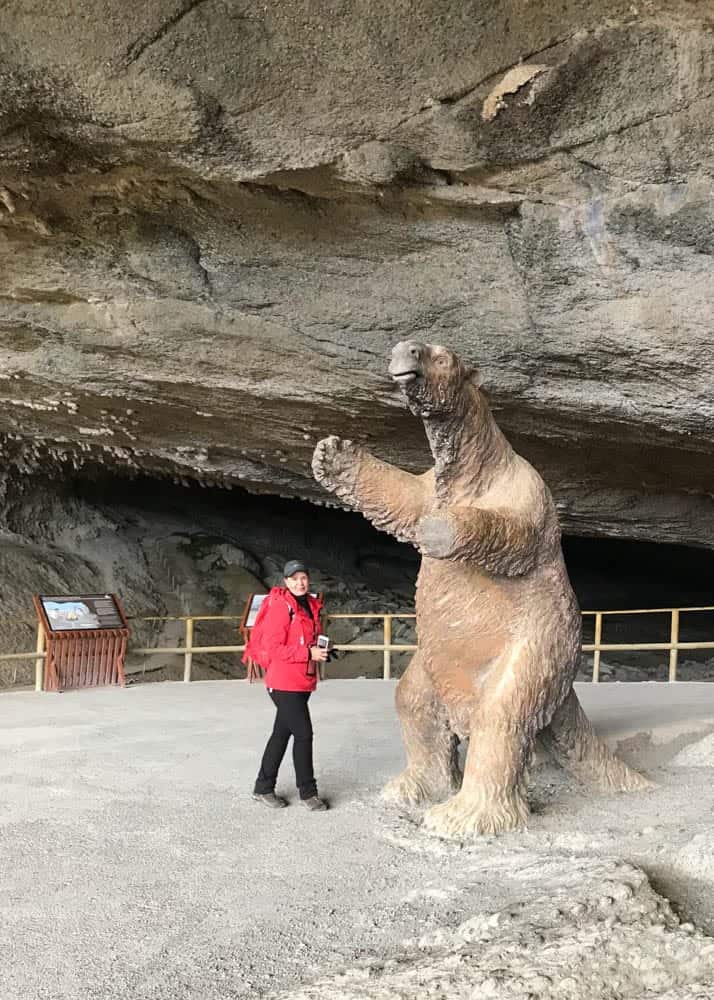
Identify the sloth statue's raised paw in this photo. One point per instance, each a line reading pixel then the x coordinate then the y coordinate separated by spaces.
pixel 335 464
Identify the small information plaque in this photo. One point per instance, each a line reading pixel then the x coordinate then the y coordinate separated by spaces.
pixel 252 609
pixel 86 611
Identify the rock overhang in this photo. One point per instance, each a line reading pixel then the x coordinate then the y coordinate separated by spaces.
pixel 204 271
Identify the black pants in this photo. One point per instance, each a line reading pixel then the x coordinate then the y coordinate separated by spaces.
pixel 292 719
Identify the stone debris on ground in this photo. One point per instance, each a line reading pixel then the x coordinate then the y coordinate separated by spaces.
pixel 572 928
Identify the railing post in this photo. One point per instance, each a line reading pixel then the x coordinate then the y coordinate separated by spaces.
pixel 596 651
pixel 674 639
pixel 387 668
pixel 188 655
pixel 40 661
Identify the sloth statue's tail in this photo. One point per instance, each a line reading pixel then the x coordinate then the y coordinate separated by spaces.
pixel 571 740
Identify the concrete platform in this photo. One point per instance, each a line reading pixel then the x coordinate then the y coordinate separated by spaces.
pixel 135 865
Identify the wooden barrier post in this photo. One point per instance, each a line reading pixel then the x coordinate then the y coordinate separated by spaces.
pixel 596 651
pixel 387 667
pixel 188 655
pixel 674 639
pixel 40 661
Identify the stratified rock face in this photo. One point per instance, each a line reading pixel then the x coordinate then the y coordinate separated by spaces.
pixel 215 220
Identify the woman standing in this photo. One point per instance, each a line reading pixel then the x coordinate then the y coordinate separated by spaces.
pixel 286 641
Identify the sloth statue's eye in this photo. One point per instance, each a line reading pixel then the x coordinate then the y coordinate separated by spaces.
pixel 443 362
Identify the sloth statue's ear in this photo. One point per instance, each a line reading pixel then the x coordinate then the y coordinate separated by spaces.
pixel 474 376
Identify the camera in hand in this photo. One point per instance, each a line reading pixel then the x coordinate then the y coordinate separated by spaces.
pixel 323 642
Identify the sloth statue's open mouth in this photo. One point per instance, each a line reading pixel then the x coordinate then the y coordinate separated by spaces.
pixel 404 377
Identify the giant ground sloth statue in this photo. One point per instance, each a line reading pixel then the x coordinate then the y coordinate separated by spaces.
pixel 498 625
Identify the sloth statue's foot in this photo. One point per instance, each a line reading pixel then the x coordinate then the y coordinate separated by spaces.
pixel 412 787
pixel 470 813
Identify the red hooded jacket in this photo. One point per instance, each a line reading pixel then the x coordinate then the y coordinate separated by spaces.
pixel 286 633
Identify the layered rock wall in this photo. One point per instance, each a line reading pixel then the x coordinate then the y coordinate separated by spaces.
pixel 215 220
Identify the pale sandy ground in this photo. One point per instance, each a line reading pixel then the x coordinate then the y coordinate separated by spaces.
pixel 135 864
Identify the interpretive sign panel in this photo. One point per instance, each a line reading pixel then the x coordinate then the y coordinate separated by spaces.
pixel 87 611
pixel 85 639
pixel 253 608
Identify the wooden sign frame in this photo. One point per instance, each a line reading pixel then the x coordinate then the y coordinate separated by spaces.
pixel 86 638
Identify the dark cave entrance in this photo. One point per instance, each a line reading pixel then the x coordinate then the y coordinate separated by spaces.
pixel 366 570
pixel 623 574
pixel 607 573
pixel 610 573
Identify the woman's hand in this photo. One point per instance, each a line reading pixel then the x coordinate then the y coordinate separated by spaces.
pixel 318 654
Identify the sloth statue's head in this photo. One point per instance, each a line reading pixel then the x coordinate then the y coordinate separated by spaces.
pixel 434 380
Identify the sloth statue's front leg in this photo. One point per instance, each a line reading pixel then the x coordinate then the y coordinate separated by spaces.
pixel 390 498
pixel 496 541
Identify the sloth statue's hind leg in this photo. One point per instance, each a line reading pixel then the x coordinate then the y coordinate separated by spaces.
pixel 492 798
pixel 432 771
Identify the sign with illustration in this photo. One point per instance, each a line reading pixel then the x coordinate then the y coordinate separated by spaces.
pixel 86 611
pixel 252 609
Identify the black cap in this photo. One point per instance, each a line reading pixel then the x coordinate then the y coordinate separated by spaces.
pixel 293 566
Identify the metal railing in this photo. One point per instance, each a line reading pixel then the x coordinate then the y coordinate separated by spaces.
pixel 388 647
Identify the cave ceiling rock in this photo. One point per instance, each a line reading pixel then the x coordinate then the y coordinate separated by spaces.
pixel 215 221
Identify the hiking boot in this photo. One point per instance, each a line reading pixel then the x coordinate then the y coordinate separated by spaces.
pixel 314 804
pixel 270 799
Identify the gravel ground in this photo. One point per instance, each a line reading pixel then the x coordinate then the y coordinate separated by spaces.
pixel 135 864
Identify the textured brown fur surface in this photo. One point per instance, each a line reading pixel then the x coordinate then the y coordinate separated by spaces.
pixel 498 625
